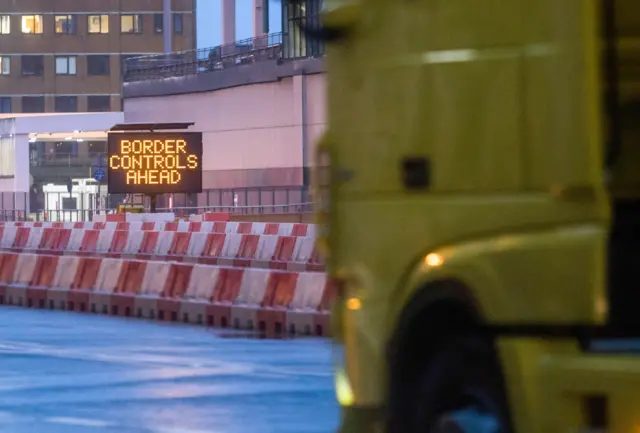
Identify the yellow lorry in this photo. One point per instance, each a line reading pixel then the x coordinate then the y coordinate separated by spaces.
pixel 482 214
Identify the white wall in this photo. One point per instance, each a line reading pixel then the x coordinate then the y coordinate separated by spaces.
pixel 251 127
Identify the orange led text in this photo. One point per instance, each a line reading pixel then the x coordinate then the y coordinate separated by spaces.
pixel 153 162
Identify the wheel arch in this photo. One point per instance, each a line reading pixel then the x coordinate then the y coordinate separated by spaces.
pixel 437 304
pixel 437 307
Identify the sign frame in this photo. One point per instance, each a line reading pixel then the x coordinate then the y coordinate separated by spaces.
pixel 116 179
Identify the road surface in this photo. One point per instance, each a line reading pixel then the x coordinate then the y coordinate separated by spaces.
pixel 66 372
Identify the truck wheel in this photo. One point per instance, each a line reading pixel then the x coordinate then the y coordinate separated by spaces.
pixel 462 390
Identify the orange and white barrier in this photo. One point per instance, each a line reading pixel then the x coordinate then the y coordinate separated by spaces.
pixel 292 253
pixel 255 228
pixel 272 301
pixel 130 216
pixel 210 216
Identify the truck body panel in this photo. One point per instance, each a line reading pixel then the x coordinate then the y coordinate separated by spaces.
pixel 488 134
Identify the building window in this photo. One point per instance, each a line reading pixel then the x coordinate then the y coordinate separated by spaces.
pixel 5 24
pixel 98 65
pixel 66 65
pixel 33 65
pixel 97 148
pixel 65 150
pixel 294 16
pixel 5 65
pixel 158 23
pixel 98 103
pixel 66 104
pixel 66 24
pixel 98 24
pixel 177 23
pixel 32 24
pixel 5 104
pixel 131 23
pixel 33 104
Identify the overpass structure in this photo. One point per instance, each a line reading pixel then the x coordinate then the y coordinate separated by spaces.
pixel 260 13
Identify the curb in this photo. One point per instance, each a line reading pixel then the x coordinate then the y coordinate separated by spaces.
pixel 268 322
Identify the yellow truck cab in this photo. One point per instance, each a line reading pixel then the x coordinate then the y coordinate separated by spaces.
pixel 482 213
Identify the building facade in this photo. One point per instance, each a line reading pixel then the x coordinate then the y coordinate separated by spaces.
pixel 67 55
pixel 259 103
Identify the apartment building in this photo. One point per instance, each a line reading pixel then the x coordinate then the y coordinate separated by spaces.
pixel 68 55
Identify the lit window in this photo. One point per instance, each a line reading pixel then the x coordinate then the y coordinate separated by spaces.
pixel 65 24
pixel 99 24
pixel 131 23
pixel 66 65
pixel 32 24
pixel 5 65
pixel 5 24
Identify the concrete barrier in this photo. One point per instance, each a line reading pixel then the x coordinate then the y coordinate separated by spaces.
pixel 273 302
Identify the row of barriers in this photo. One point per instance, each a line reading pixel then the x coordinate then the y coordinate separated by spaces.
pixel 256 228
pixel 271 301
pixel 295 253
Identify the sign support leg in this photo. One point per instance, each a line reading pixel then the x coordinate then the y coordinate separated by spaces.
pixel 153 198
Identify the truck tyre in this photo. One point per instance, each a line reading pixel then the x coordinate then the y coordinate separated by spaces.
pixel 461 390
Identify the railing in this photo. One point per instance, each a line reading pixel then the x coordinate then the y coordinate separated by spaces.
pixel 193 62
pixel 73 215
pixel 290 208
pixel 66 160
pixel 13 206
pixel 241 201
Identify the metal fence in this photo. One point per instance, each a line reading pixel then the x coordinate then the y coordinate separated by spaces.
pixel 193 62
pixel 182 212
pixel 14 206
pixel 243 201
pixel 240 201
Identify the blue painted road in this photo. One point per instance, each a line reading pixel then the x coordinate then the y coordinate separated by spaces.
pixel 75 373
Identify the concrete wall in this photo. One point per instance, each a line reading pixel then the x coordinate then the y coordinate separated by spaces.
pixel 14 151
pixel 255 135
